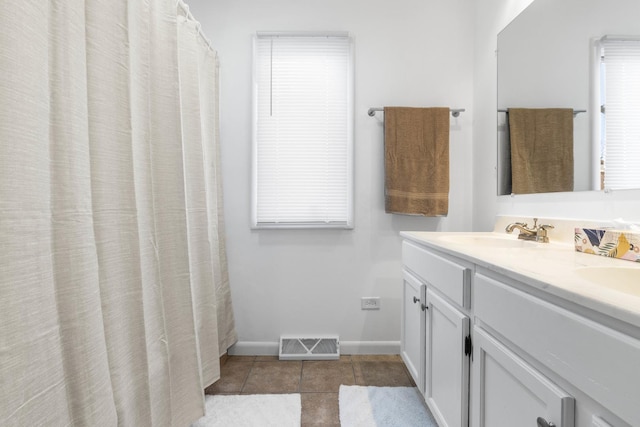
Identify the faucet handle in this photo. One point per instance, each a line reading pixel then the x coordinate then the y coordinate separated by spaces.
pixel 541 233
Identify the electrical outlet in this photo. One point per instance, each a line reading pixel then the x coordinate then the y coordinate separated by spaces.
pixel 370 303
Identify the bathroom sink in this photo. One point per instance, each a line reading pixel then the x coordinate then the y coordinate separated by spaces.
pixel 493 240
pixel 621 279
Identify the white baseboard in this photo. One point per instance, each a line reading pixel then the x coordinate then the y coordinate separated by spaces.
pixel 370 347
pixel 254 348
pixel 268 348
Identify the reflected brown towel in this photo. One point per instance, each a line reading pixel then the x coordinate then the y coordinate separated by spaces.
pixel 416 158
pixel 541 149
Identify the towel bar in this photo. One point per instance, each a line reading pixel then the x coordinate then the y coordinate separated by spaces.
pixel 455 112
pixel 575 112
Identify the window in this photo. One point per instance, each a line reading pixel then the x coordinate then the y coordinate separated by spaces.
pixel 303 131
pixel 621 112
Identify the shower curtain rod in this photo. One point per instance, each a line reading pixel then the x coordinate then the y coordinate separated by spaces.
pixel 455 112
pixel 187 12
pixel 575 112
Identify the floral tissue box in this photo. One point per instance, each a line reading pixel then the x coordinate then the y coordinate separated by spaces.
pixel 609 243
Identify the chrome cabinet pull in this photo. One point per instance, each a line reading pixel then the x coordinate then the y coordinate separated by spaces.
pixel 543 423
pixel 422 306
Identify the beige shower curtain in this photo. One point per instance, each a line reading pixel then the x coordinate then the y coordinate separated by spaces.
pixel 114 294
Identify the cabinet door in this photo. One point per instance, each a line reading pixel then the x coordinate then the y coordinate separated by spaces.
pixel 412 334
pixel 508 392
pixel 446 365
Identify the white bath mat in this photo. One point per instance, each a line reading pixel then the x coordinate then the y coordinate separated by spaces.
pixel 251 410
pixel 383 407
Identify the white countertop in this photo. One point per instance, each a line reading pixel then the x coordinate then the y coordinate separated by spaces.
pixel 550 267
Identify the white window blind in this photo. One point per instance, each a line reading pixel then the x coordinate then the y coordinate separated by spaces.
pixel 303 143
pixel 622 113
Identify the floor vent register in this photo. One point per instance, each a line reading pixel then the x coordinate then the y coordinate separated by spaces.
pixel 309 348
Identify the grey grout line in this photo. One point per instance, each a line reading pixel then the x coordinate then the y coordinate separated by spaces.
pixel 300 379
pixel 353 369
pixel 244 383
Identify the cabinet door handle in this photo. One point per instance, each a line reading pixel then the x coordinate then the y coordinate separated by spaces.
pixel 424 307
pixel 415 300
pixel 543 423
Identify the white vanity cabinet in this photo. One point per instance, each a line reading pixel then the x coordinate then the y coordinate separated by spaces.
pixel 493 346
pixel 444 326
pixel 580 357
pixel 507 390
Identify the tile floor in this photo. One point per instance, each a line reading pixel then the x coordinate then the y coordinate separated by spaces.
pixel 317 382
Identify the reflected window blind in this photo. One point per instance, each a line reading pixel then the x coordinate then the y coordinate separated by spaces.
pixel 622 117
pixel 302 169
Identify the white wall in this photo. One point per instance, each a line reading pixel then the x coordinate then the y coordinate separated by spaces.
pixel 408 52
pixel 491 17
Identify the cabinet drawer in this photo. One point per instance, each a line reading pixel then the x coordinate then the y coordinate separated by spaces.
pixel 570 345
pixel 450 278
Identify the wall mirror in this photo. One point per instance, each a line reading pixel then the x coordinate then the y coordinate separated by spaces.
pixel 547 58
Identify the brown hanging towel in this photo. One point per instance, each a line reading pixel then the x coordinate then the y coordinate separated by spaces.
pixel 541 149
pixel 416 160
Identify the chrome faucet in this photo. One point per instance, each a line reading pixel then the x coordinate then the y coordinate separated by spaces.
pixel 537 233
